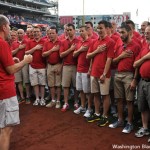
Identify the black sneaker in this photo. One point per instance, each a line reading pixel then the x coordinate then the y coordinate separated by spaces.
pixel 93 118
pixel 103 121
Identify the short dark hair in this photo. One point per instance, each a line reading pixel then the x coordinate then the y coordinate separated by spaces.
pixel 109 25
pixel 126 27
pixel 130 22
pixel 53 27
pixel 89 22
pixel 37 27
pixel 71 25
pixel 104 22
pixel 83 26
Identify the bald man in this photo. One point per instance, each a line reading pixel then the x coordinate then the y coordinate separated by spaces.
pixel 8 100
pixel 22 76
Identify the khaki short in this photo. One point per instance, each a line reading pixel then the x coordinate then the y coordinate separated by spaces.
pixel 37 76
pixel 69 75
pixel 9 112
pixel 53 78
pixel 22 75
pixel 122 81
pixel 97 87
pixel 83 82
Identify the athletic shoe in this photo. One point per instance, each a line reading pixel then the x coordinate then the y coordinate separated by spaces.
pixel 21 100
pixel 65 107
pixel 51 104
pixel 36 102
pixel 116 124
pixel 103 121
pixel 28 101
pixel 42 102
pixel 141 132
pixel 88 113
pixel 76 106
pixel 93 118
pixel 80 110
pixel 58 105
pixel 128 128
pixel 148 140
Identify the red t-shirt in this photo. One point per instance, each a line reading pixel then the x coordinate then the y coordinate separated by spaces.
pixel 69 59
pixel 137 35
pixel 143 41
pixel 38 61
pixel 93 37
pixel 117 34
pixel 138 41
pixel 100 59
pixel 7 85
pixel 62 37
pixel 54 57
pixel 83 63
pixel 144 68
pixel 20 54
pixel 126 64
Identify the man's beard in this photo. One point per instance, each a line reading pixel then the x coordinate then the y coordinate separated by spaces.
pixel 125 39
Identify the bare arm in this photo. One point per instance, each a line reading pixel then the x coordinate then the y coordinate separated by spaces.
pixel 47 53
pixel 99 49
pixel 139 62
pixel 81 49
pixel 124 54
pixel 16 67
pixel 37 47
pixel 134 81
pixel 65 53
pixel 17 49
pixel 106 69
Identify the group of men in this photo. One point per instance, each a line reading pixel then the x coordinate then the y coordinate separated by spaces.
pixel 93 64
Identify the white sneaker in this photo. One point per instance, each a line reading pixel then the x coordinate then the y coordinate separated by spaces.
pixel 58 105
pixel 51 104
pixel 42 102
pixel 80 110
pixel 128 128
pixel 36 102
pixel 88 113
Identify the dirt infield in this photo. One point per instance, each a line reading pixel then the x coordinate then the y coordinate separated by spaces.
pixel 49 129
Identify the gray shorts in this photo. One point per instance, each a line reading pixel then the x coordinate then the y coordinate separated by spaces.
pixel 83 82
pixel 143 96
pixel 37 76
pixel 9 112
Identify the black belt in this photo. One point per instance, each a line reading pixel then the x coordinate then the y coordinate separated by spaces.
pixel 146 79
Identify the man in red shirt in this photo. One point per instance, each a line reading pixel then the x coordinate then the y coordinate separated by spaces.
pixel 22 76
pixel 101 53
pixel 37 69
pixel 64 35
pixel 143 63
pixel 54 66
pixel 69 64
pixel 90 30
pixel 82 77
pixel 143 27
pixel 114 28
pixel 8 99
pixel 125 77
